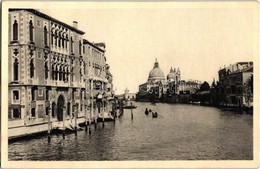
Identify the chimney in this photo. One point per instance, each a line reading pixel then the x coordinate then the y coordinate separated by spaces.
pixel 75 24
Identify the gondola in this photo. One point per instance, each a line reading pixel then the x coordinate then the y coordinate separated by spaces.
pixel 154 115
pixel 130 107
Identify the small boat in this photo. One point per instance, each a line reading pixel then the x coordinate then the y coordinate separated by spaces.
pixel 107 117
pixel 154 115
pixel 130 107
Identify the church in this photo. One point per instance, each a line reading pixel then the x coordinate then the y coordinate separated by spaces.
pixel 159 87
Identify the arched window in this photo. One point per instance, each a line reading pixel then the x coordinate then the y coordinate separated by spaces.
pixel 66 41
pixel 53 107
pixel 71 44
pixel 56 72
pixel 15 69
pixel 15 30
pixel 59 39
pixel 46 70
pixel 31 30
pixel 31 68
pixel 52 72
pixel 33 94
pixel 60 74
pixel 64 74
pixel 68 108
pixel 62 41
pixel 52 35
pixel 80 46
pixel 45 35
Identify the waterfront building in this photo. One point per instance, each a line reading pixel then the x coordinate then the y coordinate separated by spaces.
pixel 128 95
pixel 236 84
pixel 160 88
pixel 51 65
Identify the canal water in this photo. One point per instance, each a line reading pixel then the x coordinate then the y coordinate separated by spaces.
pixel 181 132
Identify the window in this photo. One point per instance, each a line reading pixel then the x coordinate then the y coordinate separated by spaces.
pixel 15 69
pixel 15 31
pixel 68 108
pixel 16 113
pixel 80 45
pixel 71 44
pixel 81 107
pixel 53 107
pixel 31 68
pixel 59 39
pixel 31 30
pixel 62 41
pixel 84 49
pixel 33 94
pixel 15 95
pixel 46 69
pixel 45 32
pixel 47 94
pixel 33 112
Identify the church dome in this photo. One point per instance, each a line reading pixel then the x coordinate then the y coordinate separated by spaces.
pixel 156 73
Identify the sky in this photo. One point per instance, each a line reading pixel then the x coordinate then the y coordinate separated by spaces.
pixel 197 40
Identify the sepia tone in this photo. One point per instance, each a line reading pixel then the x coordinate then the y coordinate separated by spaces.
pixel 73 99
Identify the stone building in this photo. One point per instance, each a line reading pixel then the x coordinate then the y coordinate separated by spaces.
pixel 51 67
pixel 236 84
pixel 160 88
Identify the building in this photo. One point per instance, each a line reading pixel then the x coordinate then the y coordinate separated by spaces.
pixel 160 88
pixel 236 84
pixel 128 95
pixel 51 67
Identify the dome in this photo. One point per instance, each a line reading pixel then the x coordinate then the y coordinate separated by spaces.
pixel 172 74
pixel 156 73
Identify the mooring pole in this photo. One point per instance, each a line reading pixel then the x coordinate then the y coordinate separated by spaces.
pixel 132 116
pixel 76 117
pixel 86 119
pixel 63 117
pixel 103 114
pixel 95 112
pixel 49 126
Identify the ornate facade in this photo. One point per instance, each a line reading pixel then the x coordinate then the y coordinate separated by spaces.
pixel 50 67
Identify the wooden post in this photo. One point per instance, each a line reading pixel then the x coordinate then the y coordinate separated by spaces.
pixel 86 119
pixel 132 116
pixel 76 117
pixel 63 117
pixel 49 126
pixel 95 112
pixel 103 113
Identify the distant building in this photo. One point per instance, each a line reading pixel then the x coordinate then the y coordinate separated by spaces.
pixel 236 84
pixel 129 96
pixel 159 87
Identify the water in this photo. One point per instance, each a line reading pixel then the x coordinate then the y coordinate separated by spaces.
pixel 181 132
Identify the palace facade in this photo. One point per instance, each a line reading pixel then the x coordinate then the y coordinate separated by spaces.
pixel 53 69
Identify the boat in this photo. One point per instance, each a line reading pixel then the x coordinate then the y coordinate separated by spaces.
pixel 154 114
pixel 130 107
pixel 107 117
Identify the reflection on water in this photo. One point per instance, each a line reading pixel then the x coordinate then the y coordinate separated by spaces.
pixel 181 132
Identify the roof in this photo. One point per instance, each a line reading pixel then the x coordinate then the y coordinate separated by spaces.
pixel 85 41
pixel 40 14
